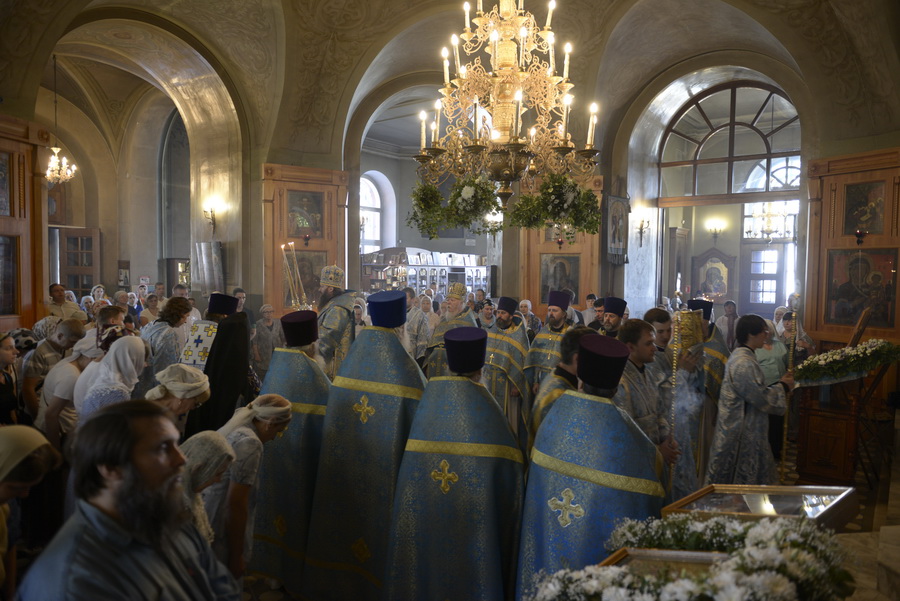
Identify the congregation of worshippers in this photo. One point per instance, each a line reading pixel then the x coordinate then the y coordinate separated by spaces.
pixel 406 444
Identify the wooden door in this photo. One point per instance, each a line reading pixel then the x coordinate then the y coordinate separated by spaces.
pixel 17 259
pixel 79 259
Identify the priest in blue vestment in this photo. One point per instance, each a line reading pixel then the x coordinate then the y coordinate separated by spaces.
pixel 371 406
pixel 457 508
pixel 544 353
pixel 504 373
pixel 715 356
pixel 591 466
pixel 288 470
pixel 458 315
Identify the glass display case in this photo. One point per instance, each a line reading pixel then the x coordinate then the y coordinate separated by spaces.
pixel 398 267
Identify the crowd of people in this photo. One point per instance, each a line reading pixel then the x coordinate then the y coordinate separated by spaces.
pixel 368 446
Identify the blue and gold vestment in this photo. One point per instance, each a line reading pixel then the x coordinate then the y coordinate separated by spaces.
pixel 287 473
pixel 336 332
pixel 590 467
pixel 504 374
pixel 370 410
pixel 458 503
pixel 544 355
pixel 436 356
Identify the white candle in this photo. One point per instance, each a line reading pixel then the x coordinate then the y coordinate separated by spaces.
pixel 424 118
pixel 551 41
pixel 592 123
pixel 567 102
pixel 455 42
pixel 523 36
pixel 446 72
pixel 477 125
pixel 433 133
pixel 518 112
pixel 568 49
pixel 480 10
pixel 466 8
pixel 532 132
pixel 521 4
pixel 437 118
pixel 550 13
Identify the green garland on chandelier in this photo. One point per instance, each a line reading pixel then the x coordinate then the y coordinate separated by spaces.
pixel 560 203
pixel 471 200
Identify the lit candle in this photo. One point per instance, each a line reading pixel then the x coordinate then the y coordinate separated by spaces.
pixel 568 49
pixel 567 102
pixel 495 39
pixel 466 8
pixel 424 118
pixel 592 123
pixel 445 54
pixel 550 13
pixel 454 41
pixel 532 132
pixel 287 267
pixel 437 116
pixel 551 41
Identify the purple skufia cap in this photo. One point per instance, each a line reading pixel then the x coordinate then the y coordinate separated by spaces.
pixel 388 309
pixel 465 349
pixel 601 361
pixel 699 303
pixel 300 328
pixel 223 304
pixel 510 305
pixel 614 305
pixel 560 299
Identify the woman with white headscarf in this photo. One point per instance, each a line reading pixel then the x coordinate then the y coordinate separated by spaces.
pixel 181 388
pixel 269 336
pixel 361 318
pixel 231 503
pixel 208 455
pixel 117 375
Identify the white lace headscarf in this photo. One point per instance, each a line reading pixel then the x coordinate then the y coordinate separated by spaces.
pixel 122 365
pixel 183 381
pixel 272 408
pixel 207 453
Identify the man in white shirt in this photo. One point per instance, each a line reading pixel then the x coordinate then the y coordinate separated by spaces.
pixel 58 305
pixel 184 330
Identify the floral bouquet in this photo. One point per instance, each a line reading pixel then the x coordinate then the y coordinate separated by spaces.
pixel 427 210
pixel 472 199
pixel 769 560
pixel 838 363
pixel 560 203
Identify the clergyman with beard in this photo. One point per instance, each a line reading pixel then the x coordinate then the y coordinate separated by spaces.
pixel 130 536
pixel 336 329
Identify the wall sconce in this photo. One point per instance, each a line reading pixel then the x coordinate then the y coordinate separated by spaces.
pixel 210 215
pixel 305 239
pixel 643 228
pixel 715 227
pixel 859 237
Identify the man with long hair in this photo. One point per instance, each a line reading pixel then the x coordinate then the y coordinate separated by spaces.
pixel 130 536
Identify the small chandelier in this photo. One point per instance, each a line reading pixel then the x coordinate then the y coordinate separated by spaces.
pixel 506 110
pixel 771 223
pixel 59 169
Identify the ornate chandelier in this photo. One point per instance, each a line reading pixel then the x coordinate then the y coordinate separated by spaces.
pixel 505 114
pixel 59 169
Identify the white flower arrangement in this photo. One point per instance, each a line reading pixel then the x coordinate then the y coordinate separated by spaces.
pixel 769 560
pixel 841 362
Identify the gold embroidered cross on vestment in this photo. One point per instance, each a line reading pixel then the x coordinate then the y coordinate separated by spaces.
pixel 445 476
pixel 565 507
pixel 362 407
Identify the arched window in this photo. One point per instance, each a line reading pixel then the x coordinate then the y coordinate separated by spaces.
pixel 738 138
pixel 369 216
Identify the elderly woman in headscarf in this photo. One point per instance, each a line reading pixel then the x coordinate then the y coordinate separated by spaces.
pixel 181 388
pixel 427 307
pixel 231 503
pixel 46 327
pixel 117 375
pixel 269 336
pixel 25 458
pixel 87 305
pixel 208 455
pixel 361 317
